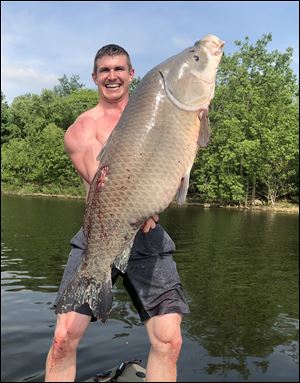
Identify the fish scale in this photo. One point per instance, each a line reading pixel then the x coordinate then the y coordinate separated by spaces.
pixel 150 151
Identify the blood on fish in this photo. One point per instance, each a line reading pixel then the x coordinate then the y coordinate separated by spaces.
pixel 102 175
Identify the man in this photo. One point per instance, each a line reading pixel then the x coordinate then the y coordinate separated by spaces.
pixel 161 308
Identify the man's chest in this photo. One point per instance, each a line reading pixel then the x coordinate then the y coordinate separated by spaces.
pixel 105 128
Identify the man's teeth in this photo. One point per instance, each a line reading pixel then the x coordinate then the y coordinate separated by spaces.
pixel 113 86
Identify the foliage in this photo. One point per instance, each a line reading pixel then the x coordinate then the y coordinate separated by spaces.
pixel 38 160
pixel 4 119
pixel 253 151
pixel 254 120
pixel 67 85
pixel 76 103
pixel 134 84
pixel 32 139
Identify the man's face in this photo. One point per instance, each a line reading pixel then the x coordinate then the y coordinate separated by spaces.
pixel 113 77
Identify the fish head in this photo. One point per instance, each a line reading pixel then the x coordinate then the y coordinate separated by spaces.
pixel 189 77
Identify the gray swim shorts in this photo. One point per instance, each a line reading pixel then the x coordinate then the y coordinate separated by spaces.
pixel 151 277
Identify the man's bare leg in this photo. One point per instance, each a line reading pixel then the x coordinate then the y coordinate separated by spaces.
pixel 61 359
pixel 165 337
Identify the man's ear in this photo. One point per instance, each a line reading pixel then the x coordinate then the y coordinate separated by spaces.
pixel 131 74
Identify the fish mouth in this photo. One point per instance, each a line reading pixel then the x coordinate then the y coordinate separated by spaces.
pixel 212 44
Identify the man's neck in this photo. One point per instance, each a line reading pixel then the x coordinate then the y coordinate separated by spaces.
pixel 112 107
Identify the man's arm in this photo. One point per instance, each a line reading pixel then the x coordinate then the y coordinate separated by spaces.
pixel 83 148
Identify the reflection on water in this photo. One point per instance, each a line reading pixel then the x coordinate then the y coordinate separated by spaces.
pixel 240 275
pixel 240 270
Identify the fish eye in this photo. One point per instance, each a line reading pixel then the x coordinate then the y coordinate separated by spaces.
pixel 196 58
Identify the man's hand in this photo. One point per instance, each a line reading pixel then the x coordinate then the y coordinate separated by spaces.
pixel 150 223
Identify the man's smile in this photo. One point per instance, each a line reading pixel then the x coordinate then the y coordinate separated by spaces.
pixel 112 86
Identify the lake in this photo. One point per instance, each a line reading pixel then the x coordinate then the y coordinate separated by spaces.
pixel 239 271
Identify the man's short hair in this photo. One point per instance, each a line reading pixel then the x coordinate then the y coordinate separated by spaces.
pixel 111 50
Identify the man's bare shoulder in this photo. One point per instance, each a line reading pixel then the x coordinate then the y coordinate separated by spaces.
pixel 82 130
pixel 85 120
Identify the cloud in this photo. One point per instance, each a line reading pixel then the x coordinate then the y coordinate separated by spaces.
pixel 17 79
pixel 41 41
pixel 26 76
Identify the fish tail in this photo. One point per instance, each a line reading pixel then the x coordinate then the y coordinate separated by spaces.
pixel 81 290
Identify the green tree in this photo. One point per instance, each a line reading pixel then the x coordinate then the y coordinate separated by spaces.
pixel 254 127
pixel 52 164
pixel 39 161
pixel 17 162
pixel 134 84
pixel 5 133
pixel 76 103
pixel 26 116
pixel 67 85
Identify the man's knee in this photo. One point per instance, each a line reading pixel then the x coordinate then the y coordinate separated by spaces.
pixel 67 337
pixel 166 338
pixel 65 342
pixel 168 346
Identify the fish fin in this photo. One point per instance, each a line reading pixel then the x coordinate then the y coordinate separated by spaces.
pixel 101 154
pixel 121 260
pixel 81 290
pixel 183 189
pixel 204 133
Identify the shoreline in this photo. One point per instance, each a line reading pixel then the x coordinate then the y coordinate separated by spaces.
pixel 62 196
pixel 293 208
pixel 284 207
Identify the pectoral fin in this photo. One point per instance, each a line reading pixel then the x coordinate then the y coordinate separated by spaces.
pixel 101 154
pixel 183 189
pixel 121 261
pixel 204 133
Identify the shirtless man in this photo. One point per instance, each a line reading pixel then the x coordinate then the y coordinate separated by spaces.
pixel 162 307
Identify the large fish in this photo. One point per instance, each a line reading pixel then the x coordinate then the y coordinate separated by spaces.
pixel 144 165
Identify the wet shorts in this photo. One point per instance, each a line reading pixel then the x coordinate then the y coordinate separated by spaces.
pixel 151 278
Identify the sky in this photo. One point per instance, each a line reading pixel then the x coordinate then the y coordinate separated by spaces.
pixel 43 40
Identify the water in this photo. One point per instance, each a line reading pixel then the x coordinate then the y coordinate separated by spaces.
pixel 239 270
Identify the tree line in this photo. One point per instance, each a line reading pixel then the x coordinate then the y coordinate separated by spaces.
pixel 253 151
